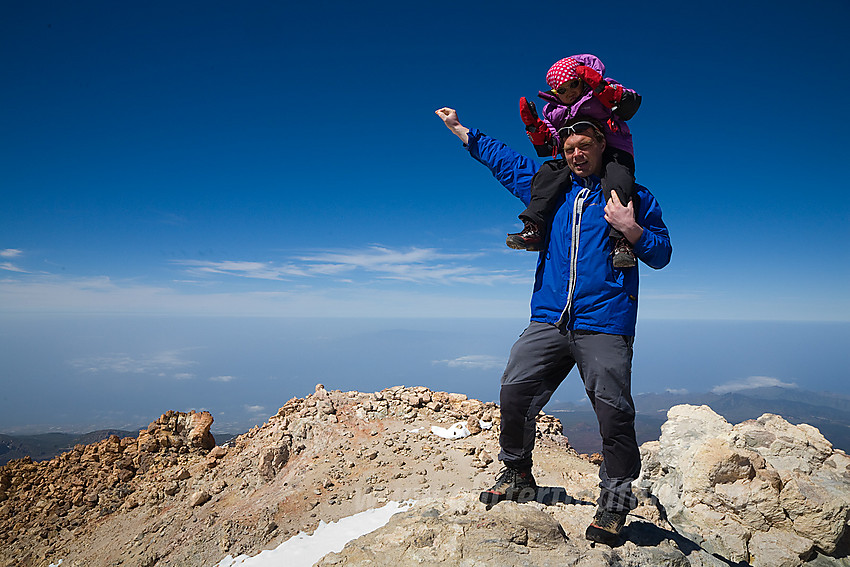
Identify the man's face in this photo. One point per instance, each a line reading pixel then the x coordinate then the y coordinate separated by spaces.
pixel 584 154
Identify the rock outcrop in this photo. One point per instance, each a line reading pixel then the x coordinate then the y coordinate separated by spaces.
pixel 39 501
pixel 764 491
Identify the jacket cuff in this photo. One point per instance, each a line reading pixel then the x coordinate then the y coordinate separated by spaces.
pixel 472 146
pixel 642 246
pixel 473 135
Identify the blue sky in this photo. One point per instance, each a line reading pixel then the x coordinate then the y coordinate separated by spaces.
pixel 268 159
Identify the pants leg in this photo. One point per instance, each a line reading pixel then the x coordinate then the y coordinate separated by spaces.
pixel 605 365
pixel 619 177
pixel 548 185
pixel 539 361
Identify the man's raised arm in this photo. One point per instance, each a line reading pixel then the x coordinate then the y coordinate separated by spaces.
pixel 512 169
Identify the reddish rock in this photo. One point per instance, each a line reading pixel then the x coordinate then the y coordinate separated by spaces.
pixel 200 435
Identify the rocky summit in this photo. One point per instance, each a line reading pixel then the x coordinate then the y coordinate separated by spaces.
pixel 762 492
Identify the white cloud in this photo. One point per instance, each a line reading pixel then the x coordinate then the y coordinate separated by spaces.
pixel 184 375
pixel 417 265
pixel 371 281
pixel 676 391
pixel 222 378
pixel 9 266
pixel 420 265
pixel 158 364
pixel 45 293
pixel 751 383
pixel 254 270
pixel 474 362
pixel 254 409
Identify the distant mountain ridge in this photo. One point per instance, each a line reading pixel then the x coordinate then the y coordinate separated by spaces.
pixel 45 446
pixel 828 411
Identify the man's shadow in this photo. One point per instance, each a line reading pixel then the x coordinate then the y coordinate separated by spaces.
pixel 646 534
pixel 548 496
pixel 551 495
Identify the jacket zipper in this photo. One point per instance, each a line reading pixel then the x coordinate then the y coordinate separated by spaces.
pixel 575 233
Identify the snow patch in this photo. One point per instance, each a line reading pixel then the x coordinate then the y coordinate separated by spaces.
pixel 304 550
pixel 458 430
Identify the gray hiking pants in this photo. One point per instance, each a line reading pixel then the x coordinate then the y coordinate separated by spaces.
pixel 540 360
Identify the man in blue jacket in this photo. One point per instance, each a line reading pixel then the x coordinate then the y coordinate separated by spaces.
pixel 583 313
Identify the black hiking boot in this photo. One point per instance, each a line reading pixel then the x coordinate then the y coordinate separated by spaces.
pixel 624 255
pixel 529 238
pixel 511 484
pixel 606 527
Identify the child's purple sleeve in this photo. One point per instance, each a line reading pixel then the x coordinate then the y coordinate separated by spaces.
pixel 555 116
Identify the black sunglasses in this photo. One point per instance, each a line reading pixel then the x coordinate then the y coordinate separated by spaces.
pixel 571 85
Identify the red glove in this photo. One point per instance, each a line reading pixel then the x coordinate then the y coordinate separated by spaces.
pixel 609 95
pixel 536 129
pixel 589 76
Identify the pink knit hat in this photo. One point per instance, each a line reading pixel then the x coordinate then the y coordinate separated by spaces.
pixel 562 71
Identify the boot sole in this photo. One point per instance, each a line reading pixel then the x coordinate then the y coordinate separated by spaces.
pixel 524 495
pixel 516 244
pixel 601 536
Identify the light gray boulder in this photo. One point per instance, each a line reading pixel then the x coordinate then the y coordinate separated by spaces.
pixel 765 491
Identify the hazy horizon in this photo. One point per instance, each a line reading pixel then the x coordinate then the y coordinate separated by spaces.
pixel 98 372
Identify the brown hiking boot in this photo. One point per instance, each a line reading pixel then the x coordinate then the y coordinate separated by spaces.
pixel 624 255
pixel 529 238
pixel 511 484
pixel 606 526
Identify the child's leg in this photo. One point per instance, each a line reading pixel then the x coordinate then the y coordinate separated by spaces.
pixel 547 188
pixel 548 185
pixel 619 177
